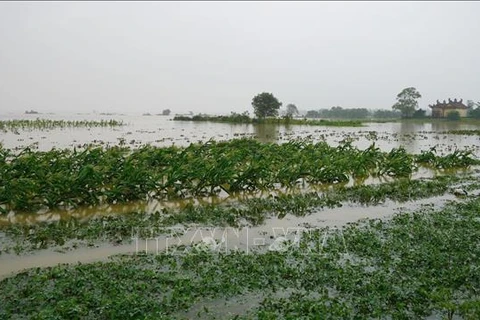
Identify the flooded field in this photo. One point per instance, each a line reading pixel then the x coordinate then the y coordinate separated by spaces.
pixel 162 131
pixel 250 200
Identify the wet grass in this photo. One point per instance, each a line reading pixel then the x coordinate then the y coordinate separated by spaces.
pixel 47 124
pixel 34 180
pixel 250 212
pixel 416 265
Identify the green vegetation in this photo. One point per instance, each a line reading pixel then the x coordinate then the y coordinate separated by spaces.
pixel 328 123
pixel 416 265
pixel 46 124
pixel 353 113
pixel 232 118
pixel 291 110
pixel 453 116
pixel 196 170
pixel 244 118
pixel 473 112
pixel 254 211
pixel 419 114
pixel 32 180
pixel 265 105
pixel 386 114
pixel 407 102
pixel 339 113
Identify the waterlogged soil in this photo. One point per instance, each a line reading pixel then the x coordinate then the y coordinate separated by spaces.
pixel 162 131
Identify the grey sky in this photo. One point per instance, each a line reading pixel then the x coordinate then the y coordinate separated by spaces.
pixel 214 57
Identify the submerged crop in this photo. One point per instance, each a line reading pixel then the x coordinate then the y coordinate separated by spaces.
pixel 32 180
pixel 45 124
pixel 254 211
pixel 416 265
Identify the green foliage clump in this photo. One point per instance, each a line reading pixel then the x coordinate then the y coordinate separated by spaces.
pixel 287 120
pixel 232 118
pixel 265 105
pixel 339 113
pixel 407 101
pixel 453 116
pixel 32 180
pixel 419 114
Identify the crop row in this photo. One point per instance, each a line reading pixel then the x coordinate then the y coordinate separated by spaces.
pixel 31 180
pixel 254 211
pixel 414 266
pixel 44 124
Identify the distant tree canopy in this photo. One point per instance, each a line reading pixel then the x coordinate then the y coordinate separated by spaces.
pixel 265 105
pixel 291 109
pixel 453 115
pixel 386 114
pixel 474 112
pixel 352 113
pixel 407 102
pixel 339 113
pixel 420 113
pixel 166 112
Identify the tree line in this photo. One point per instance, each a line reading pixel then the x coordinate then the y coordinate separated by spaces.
pixel 352 113
pixel 267 105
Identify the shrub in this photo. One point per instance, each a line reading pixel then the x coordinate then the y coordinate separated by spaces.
pixel 453 116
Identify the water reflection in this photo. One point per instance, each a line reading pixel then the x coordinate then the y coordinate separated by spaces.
pixel 407 128
pixel 266 132
pixel 147 207
pixel 161 131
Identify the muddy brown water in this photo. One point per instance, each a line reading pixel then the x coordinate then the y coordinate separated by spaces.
pixel 249 239
pixel 161 131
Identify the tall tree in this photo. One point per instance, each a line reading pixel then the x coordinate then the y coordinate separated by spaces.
pixel 291 109
pixel 407 102
pixel 265 105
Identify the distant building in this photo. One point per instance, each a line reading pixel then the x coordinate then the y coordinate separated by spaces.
pixel 442 109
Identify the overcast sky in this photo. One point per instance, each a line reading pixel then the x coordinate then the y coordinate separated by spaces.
pixel 214 57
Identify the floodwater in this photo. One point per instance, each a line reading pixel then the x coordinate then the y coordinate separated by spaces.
pixel 84 213
pixel 182 239
pixel 162 131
